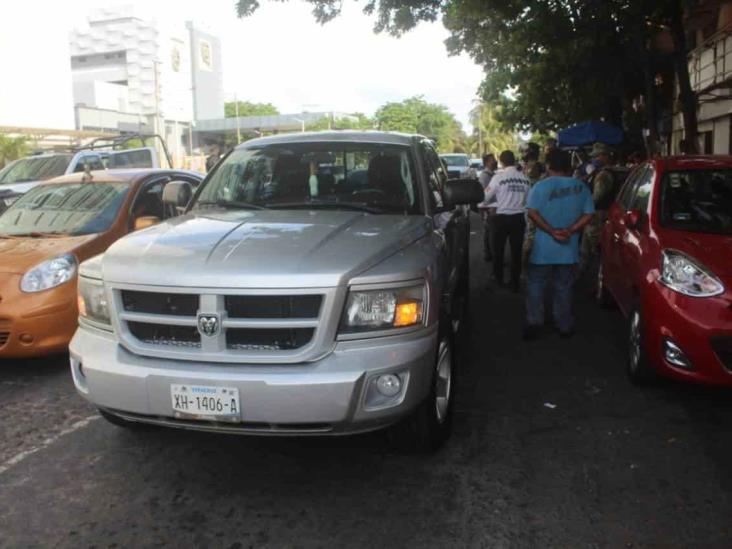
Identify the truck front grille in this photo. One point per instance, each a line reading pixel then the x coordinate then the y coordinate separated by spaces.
pixel 160 303
pixel 246 327
pixel 277 339
pixel 161 334
pixel 267 306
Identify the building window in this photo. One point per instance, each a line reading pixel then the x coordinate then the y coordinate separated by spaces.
pixel 706 140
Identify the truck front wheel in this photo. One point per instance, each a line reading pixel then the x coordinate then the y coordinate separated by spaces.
pixel 430 425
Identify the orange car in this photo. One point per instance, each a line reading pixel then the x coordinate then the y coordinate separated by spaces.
pixel 47 232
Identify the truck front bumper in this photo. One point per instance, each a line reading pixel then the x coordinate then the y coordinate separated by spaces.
pixel 329 396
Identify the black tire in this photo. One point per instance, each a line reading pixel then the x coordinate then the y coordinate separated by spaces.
pixel 602 296
pixel 640 372
pixel 120 422
pixel 429 426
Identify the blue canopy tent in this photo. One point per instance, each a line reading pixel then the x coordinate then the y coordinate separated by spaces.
pixel 587 133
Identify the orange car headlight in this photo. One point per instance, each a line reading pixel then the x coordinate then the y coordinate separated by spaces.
pixel 49 274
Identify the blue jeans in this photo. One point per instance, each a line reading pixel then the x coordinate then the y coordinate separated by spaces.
pixel 561 278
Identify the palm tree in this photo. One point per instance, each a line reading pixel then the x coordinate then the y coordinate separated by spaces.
pixel 489 134
pixel 12 148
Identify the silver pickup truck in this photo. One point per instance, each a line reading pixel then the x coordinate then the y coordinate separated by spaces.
pixel 312 287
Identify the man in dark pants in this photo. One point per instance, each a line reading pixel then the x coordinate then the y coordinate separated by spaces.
pixel 560 206
pixel 509 187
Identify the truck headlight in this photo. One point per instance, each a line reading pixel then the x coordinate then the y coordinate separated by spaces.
pixel 93 304
pixel 371 310
pixel 680 273
pixel 49 274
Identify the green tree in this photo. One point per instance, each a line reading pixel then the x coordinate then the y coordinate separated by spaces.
pixel 550 63
pixel 247 108
pixel 357 121
pixel 489 134
pixel 415 115
pixel 12 148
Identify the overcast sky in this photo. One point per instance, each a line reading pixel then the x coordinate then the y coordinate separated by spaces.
pixel 281 55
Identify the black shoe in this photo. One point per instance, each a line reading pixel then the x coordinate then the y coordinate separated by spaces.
pixel 531 333
pixel 566 334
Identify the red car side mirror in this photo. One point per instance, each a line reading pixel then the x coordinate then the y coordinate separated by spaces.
pixel 632 219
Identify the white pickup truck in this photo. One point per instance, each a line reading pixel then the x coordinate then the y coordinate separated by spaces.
pixel 21 175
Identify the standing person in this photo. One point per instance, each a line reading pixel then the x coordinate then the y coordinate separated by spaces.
pixel 602 185
pixel 549 146
pixel 509 187
pixel 560 206
pixel 530 165
pixel 488 210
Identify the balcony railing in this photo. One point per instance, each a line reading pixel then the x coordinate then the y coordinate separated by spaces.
pixel 710 64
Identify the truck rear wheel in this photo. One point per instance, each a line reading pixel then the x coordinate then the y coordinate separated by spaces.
pixel 430 425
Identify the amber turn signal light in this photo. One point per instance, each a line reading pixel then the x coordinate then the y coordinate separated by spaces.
pixel 408 313
pixel 82 305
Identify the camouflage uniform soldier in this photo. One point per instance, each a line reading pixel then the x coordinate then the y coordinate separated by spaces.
pixel 534 170
pixel 602 185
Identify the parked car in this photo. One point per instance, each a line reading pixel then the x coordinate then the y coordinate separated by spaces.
pixel 287 301
pixel 458 166
pixel 476 164
pixel 48 231
pixel 23 174
pixel 667 262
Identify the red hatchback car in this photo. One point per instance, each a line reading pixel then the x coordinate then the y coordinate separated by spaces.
pixel 667 262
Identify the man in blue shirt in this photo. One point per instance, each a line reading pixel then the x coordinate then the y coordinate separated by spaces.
pixel 560 206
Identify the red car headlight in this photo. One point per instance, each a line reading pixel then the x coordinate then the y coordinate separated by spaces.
pixel 684 275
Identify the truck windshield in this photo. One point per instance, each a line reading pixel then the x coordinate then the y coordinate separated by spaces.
pixel 697 201
pixel 64 209
pixel 456 160
pixel 373 178
pixel 35 168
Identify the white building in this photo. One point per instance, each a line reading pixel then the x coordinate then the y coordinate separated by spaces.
pixel 710 70
pixel 130 74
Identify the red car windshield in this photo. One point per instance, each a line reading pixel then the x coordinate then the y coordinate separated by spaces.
pixel 697 201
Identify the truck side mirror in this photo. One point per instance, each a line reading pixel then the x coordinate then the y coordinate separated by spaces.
pixel 460 192
pixel 178 194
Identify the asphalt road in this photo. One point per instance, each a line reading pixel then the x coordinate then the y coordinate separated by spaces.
pixel 552 447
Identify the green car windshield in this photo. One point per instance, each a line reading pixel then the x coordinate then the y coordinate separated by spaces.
pixel 64 209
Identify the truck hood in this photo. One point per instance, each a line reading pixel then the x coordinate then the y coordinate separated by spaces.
pixel 260 249
pixel 19 254
pixel 711 250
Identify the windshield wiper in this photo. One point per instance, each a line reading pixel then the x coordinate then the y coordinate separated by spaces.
pixel 36 234
pixel 355 206
pixel 232 204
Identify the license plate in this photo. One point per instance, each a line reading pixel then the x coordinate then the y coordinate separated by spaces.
pixel 205 402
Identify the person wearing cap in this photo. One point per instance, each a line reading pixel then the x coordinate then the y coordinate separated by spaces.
pixel 602 184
